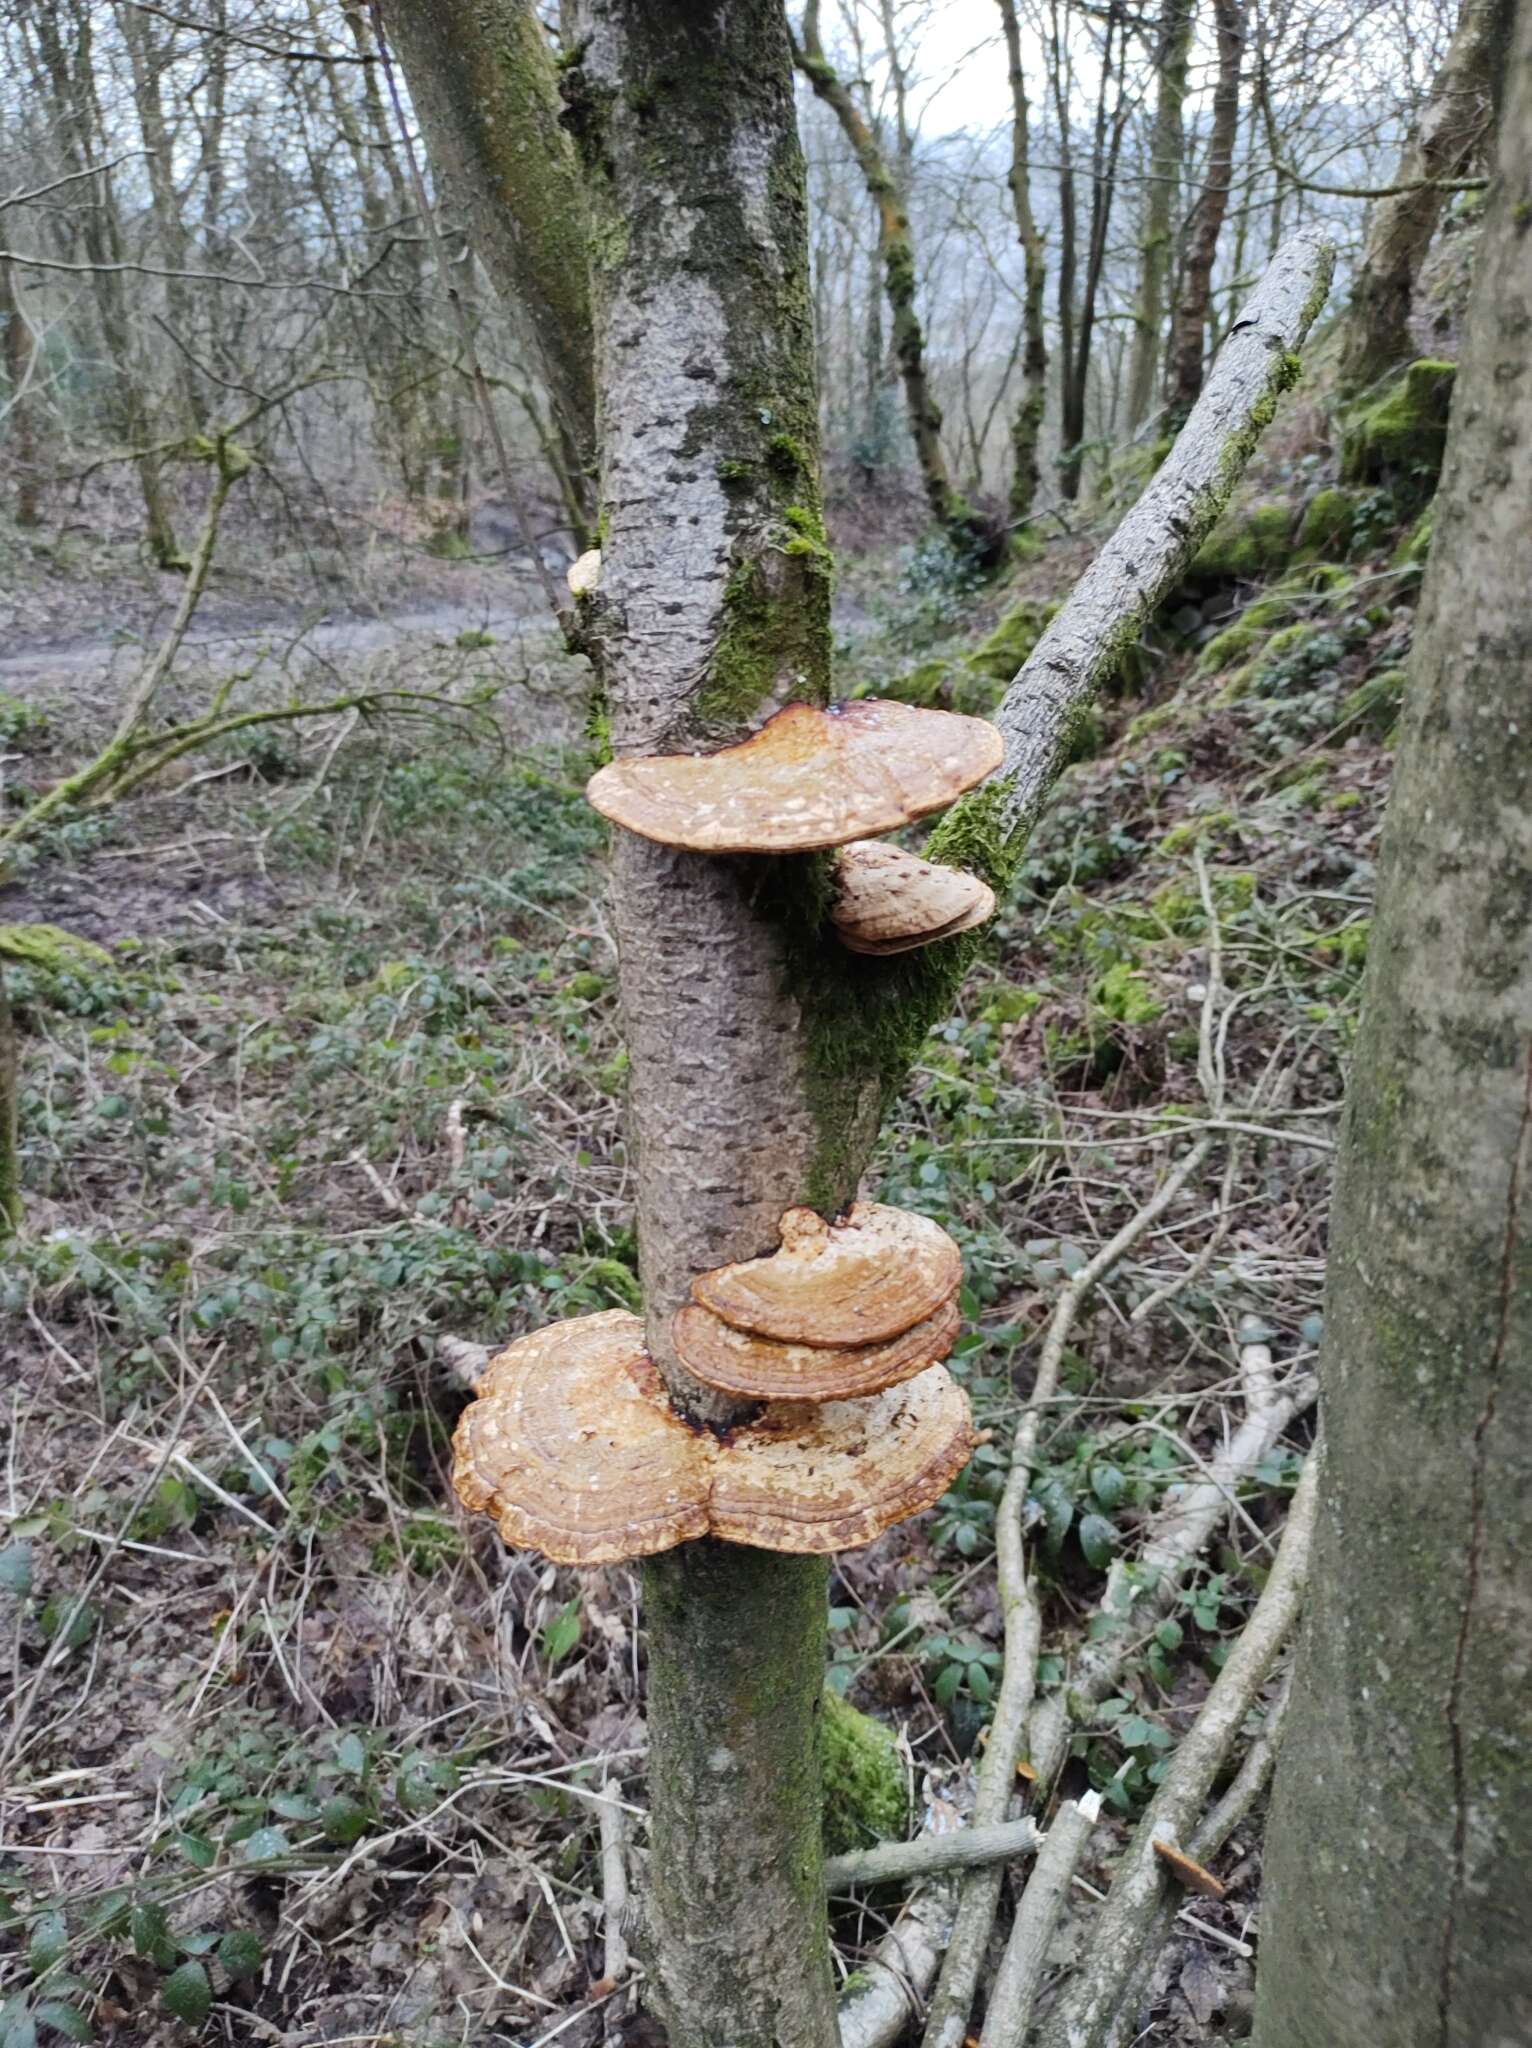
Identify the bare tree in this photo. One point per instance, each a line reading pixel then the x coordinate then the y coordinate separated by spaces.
pixel 1189 322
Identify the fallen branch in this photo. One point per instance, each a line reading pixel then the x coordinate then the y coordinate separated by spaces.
pixel 1139 566
pixel 614 1881
pixel 1088 2009
pixel 1021 1968
pixel 928 1854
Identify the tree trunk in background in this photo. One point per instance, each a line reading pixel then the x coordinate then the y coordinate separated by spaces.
pixel 1078 332
pixel 1450 135
pixel 1399 1855
pixel 486 90
pixel 713 610
pixel 898 251
pixel 1188 326
pixel 1167 153
pixel 21 401
pixel 1027 424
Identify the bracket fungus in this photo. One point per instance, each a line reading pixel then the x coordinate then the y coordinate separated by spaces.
pixel 863 1280
pixel 1186 1870
pixel 817 1479
pixel 808 779
pixel 575 1450
pixel 890 901
pixel 757 1369
pixel 572 1446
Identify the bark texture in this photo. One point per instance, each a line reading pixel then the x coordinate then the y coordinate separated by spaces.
pixel 21 401
pixel 1167 154
pixel 1399 1858
pixel 1452 132
pixel 483 82
pixel 1188 328
pixel 712 611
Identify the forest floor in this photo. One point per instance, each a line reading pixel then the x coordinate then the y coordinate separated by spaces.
pixel 287 1732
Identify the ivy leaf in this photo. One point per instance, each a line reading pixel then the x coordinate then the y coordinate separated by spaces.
pixel 351 1755
pixel 187 1994
pixel 562 1633
pixel 67 2020
pixel 17 2028
pixel 345 1819
pixel 294 1806
pixel 149 1932
pixel 1098 1539
pixel 197 1850
pixel 241 1952
pixel 16 1569
pixel 945 1688
pixel 49 1941
pixel 1108 1485
pixel 265 1845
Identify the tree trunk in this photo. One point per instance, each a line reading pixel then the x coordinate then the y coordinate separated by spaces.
pixel 1167 151
pixel 484 84
pixel 1450 133
pixel 1027 423
pixel 1399 1856
pixel 897 246
pixel 1188 327
pixel 21 400
pixel 713 609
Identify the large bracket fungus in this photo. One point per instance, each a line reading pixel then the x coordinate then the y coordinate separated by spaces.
pixel 807 780
pixel 573 1447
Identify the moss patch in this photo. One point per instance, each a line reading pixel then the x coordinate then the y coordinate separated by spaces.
pixel 1253 542
pixel 866 1793
pixel 1398 440
pixel 1329 523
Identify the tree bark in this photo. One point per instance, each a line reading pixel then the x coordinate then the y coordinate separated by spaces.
pixel 713 610
pixel 1450 134
pixel 484 84
pixel 896 244
pixel 21 400
pixel 1027 423
pixel 1167 152
pixel 1399 1856
pixel 1188 327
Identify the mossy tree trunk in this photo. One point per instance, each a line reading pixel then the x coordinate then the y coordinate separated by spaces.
pixel 1027 423
pixel 1188 328
pixel 1453 130
pixel 10 1084
pixel 712 610
pixel 897 247
pixel 1399 1855
pixel 1167 153
pixel 485 86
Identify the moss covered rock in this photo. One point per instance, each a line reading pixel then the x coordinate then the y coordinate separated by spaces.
pixel 1253 541
pixel 1416 544
pixel 866 1789
pixel 1398 440
pixel 1375 704
pixel 1231 645
pixel 1329 522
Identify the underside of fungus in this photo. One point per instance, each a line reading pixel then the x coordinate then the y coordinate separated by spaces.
pixel 890 901
pixel 808 779
pixel 573 1448
pixel 863 1280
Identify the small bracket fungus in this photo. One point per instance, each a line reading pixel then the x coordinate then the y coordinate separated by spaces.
pixel 831 1477
pixel 584 573
pixel 808 779
pixel 890 901
pixel 863 1280
pixel 575 1450
pixel 1185 1871
pixel 756 1369
pixel 572 1446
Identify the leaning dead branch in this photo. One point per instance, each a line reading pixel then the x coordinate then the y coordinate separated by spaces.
pixel 929 1854
pixel 1087 2010
pixel 1140 564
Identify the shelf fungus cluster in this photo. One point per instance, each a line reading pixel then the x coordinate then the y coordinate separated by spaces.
pixel 810 780
pixel 573 1447
pixel 837 1338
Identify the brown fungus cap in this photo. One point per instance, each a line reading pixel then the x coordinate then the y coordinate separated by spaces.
pixel 756 1369
pixel 807 779
pixel 860 1281
pixel 817 1479
pixel 890 901
pixel 572 1446
pixel 1186 1870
